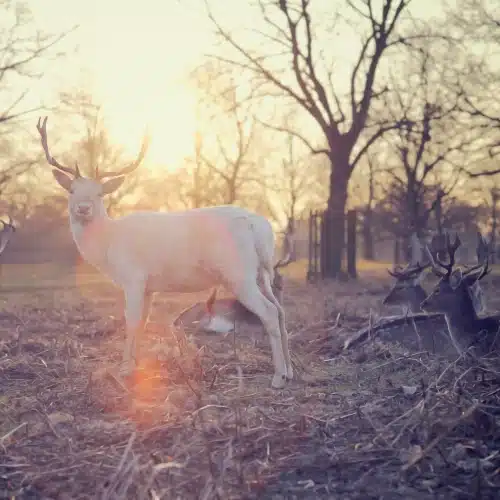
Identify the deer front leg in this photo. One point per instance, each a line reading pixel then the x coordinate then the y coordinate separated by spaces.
pixel 137 304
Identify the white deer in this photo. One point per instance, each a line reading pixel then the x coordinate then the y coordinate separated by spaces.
pixel 186 251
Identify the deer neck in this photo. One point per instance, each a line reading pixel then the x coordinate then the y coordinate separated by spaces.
pixel 463 324
pixel 92 238
pixel 418 297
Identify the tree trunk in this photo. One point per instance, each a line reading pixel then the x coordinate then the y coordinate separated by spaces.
pixel 368 247
pixel 334 231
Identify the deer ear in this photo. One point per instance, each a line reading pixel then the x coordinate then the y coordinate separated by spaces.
pixel 456 278
pixel 63 179
pixel 112 185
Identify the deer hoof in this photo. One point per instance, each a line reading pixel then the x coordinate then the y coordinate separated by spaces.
pixel 289 373
pixel 279 381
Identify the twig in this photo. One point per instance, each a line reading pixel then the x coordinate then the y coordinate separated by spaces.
pixel 416 459
pixel 11 432
pixel 401 358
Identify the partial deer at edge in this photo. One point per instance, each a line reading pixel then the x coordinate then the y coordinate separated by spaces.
pixel 8 229
pixel 465 327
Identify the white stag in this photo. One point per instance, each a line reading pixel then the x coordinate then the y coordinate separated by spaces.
pixel 186 251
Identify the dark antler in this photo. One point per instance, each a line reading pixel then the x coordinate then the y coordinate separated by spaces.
pixel 288 251
pixel 128 168
pixel 482 255
pixel 435 261
pixel 410 271
pixel 42 130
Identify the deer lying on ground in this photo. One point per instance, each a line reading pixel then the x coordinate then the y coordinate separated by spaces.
pixel 8 229
pixel 408 291
pixel 465 327
pixel 186 251
pixel 221 315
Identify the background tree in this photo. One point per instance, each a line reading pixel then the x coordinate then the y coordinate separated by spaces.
pixel 295 178
pixel 306 78
pixel 231 147
pixel 24 52
pixel 427 147
pixel 477 23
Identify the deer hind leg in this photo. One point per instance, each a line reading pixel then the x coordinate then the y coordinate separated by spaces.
pixel 265 281
pixel 251 296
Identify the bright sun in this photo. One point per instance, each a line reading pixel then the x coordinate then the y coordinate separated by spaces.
pixel 137 54
pixel 168 114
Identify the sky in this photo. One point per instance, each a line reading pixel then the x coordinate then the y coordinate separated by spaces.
pixel 137 55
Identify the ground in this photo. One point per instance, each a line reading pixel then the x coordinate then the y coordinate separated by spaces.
pixel 200 419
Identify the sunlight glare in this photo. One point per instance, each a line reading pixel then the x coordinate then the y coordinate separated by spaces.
pixel 168 115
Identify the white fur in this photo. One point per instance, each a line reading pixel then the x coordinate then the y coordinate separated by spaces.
pixel 185 251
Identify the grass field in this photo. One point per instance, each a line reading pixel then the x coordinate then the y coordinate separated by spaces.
pixel 200 421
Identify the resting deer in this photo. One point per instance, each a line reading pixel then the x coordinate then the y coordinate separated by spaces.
pixel 186 251
pixel 221 315
pixel 464 325
pixel 8 229
pixel 408 290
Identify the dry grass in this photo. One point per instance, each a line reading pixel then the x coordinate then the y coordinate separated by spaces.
pixel 200 421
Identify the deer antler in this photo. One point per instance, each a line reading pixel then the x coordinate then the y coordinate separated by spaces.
pixel 482 255
pixel 129 168
pixel 42 130
pixel 435 261
pixel 410 271
pixel 288 251
pixel 416 264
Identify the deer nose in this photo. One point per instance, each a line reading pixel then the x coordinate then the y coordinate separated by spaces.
pixel 84 209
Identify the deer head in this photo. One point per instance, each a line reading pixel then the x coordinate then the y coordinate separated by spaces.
pixel 407 289
pixel 8 229
pixel 85 194
pixel 456 287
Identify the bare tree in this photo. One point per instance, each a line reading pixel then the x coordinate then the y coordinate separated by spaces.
pixel 478 22
pixel 227 148
pixel 23 50
pixel 291 31
pixel 427 146
pixel 294 182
